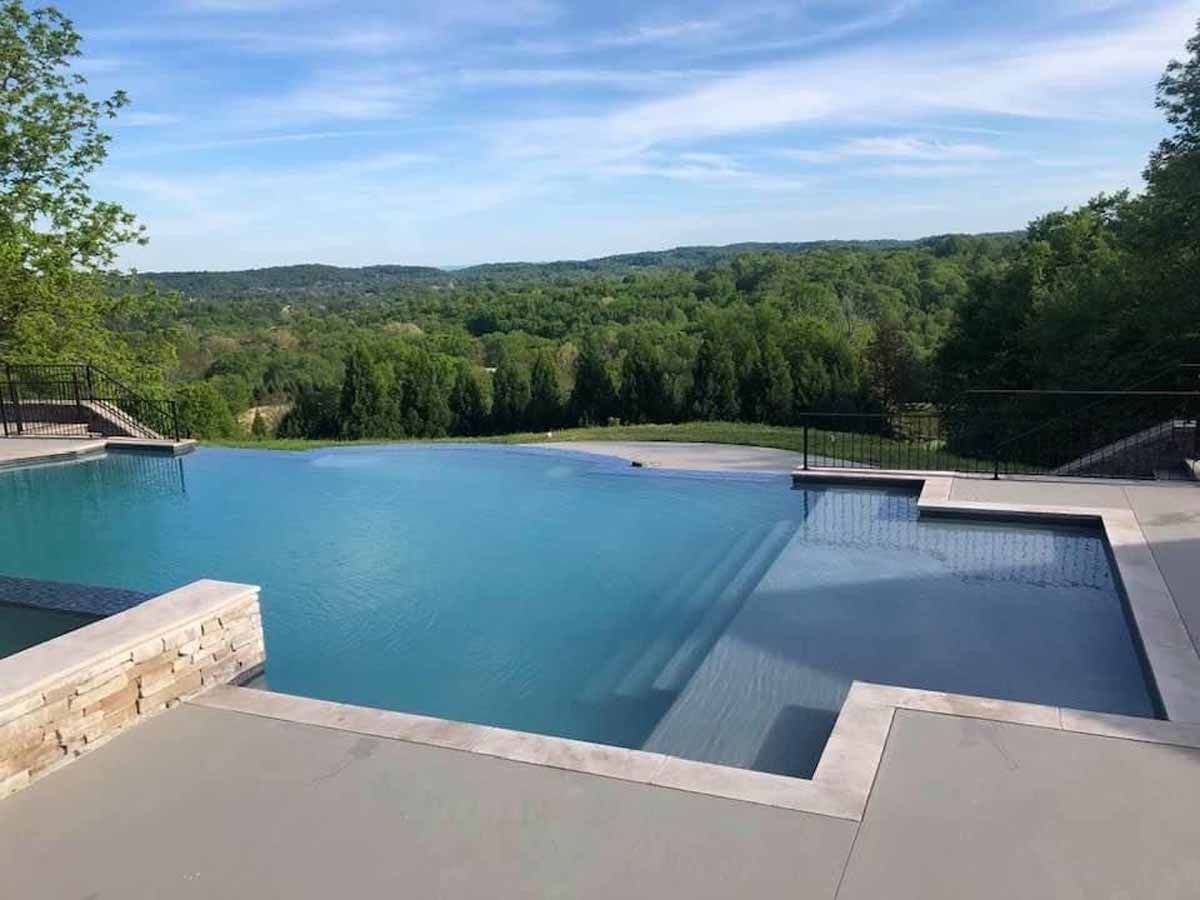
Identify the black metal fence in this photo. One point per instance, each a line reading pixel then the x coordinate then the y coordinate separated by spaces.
pixel 1093 434
pixel 79 401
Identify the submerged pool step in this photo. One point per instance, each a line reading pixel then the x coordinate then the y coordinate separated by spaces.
pixel 691 591
pixel 737 567
pixel 674 676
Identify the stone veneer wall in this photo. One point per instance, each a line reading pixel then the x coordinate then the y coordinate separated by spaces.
pixel 69 695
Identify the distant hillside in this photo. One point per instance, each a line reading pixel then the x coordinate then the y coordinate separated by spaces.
pixel 334 281
pixel 292 280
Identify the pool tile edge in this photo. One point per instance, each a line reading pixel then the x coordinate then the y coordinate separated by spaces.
pixel 840 787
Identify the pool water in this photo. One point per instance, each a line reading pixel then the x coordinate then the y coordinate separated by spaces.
pixel 21 627
pixel 715 617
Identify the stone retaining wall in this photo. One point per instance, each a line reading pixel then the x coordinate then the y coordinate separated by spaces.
pixel 69 695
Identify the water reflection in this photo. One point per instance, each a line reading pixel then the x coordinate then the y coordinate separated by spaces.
pixel 145 474
pixel 1058 557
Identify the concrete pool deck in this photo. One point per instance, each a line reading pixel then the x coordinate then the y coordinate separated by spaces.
pixel 210 799
pixel 204 802
pixel 18 452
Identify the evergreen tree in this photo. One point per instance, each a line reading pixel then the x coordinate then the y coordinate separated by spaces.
pixel 644 392
pixel 364 402
pixel 511 394
pixel 714 382
pixel 422 395
pixel 314 414
pixel 468 406
pixel 775 377
pixel 891 364
pixel 810 381
pixel 545 394
pixel 594 397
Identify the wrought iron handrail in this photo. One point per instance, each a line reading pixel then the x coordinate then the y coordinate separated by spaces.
pixel 76 400
pixel 1116 434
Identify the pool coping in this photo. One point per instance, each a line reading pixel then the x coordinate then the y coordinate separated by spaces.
pixel 839 788
pixel 846 771
pixel 83 450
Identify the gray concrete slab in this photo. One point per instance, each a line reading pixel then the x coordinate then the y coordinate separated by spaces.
pixel 18 452
pixel 32 451
pixel 1170 520
pixel 1042 492
pixel 972 808
pixel 209 803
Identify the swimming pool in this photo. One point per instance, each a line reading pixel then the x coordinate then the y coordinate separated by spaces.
pixel 714 617
pixel 21 626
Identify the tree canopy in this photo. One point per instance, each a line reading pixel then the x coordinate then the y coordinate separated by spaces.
pixel 58 243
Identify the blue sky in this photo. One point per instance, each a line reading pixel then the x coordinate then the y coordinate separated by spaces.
pixel 352 132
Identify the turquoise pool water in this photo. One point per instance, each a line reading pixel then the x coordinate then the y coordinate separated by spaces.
pixel 22 627
pixel 713 617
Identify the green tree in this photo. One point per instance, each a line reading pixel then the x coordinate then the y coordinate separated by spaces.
pixel 594 396
pixel 891 364
pixel 775 377
pixel 422 395
pixel 545 394
pixel 258 427
pixel 714 382
pixel 363 408
pixel 468 405
pixel 645 395
pixel 510 394
pixel 203 412
pixel 314 414
pixel 57 243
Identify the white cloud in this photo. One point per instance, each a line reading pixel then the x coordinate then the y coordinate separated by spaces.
pixel 633 79
pixel 926 170
pixel 243 6
pixel 349 96
pixel 147 119
pixel 1102 76
pixel 301 137
pixel 713 169
pixel 910 147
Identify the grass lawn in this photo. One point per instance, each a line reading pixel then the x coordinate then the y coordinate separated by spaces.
pixel 850 448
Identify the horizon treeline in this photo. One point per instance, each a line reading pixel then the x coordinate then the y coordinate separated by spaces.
pixel 764 338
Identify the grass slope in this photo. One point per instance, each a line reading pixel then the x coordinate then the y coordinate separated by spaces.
pixel 864 449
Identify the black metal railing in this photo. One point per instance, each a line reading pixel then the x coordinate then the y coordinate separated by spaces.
pixel 79 401
pixel 1091 434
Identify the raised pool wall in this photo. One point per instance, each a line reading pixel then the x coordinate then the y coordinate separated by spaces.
pixel 68 696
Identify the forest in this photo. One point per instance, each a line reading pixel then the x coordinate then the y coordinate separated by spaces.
pixel 1099 297
pixel 763 337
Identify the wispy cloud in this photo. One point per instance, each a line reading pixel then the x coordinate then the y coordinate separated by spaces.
pixel 904 147
pixel 399 121
pixel 369 95
pixel 138 119
pixel 243 6
pixel 632 79
pixel 1050 79
pixel 712 169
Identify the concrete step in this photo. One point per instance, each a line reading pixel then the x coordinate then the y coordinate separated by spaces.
pixel 717 617
pixel 671 606
pixel 639 677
